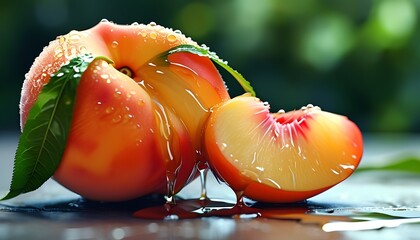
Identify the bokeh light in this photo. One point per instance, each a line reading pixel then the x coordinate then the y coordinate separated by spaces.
pixel 357 58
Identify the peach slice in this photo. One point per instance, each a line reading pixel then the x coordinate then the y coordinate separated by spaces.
pixel 280 157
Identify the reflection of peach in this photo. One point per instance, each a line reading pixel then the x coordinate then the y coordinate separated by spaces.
pixel 280 157
pixel 136 121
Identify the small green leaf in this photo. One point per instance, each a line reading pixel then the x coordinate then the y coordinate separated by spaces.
pixel 205 52
pixel 409 165
pixel 42 142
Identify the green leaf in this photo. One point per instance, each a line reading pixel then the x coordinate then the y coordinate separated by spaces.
pixel 410 165
pixel 205 52
pixel 43 140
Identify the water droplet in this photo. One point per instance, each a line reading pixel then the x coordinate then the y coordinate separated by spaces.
pixel 73 51
pixel 82 49
pixel 171 38
pixel 99 103
pixel 61 39
pixel 109 110
pixel 135 24
pixel 74 37
pixel 117 93
pixel 104 76
pixel 108 81
pixel 178 31
pixel 153 35
pixel 104 20
pixel 114 44
pixel 117 118
pixel 159 72
pixel 205 47
pixel 58 53
pixel 60 74
pixel 152 24
pixel 142 33
pixel 224 145
pixel 128 117
pixel 139 141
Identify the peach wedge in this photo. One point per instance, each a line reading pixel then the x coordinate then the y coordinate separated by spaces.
pixel 280 157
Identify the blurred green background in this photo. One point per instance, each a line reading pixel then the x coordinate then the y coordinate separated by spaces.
pixel 358 58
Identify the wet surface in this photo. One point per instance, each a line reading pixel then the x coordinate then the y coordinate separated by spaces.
pixel 383 205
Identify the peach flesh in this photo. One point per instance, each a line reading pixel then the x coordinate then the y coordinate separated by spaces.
pixel 301 151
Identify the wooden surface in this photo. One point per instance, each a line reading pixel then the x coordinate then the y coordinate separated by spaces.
pixel 52 212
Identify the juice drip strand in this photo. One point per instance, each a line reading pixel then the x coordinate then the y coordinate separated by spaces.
pixel 203 177
pixel 170 187
pixel 203 169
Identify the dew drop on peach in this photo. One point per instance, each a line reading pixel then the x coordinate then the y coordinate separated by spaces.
pixel 58 53
pixel 98 105
pixel 74 37
pixel 117 118
pixel 114 44
pixel 117 93
pixel 142 33
pixel 104 76
pixel 128 117
pixel 153 35
pixel 171 38
pixel 109 110
pixel 82 49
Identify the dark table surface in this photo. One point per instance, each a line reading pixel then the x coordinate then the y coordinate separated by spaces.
pixel 389 200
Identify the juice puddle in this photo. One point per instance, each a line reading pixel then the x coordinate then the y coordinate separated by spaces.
pixel 187 209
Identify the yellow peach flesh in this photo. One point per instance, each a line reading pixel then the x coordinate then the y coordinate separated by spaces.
pixel 286 156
